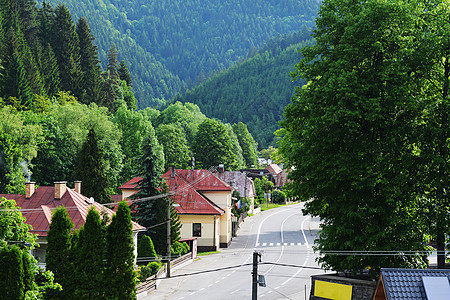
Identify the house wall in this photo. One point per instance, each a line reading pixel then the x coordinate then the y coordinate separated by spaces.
pixel 220 198
pixel 127 193
pixel 209 240
pixel 223 200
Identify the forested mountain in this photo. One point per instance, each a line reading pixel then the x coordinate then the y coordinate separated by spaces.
pixel 256 90
pixel 170 44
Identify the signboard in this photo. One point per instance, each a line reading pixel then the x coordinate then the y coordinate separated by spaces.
pixel 331 290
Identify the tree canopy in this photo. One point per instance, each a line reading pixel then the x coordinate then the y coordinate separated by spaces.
pixel 350 133
pixel 212 146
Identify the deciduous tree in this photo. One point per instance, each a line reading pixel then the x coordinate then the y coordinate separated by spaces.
pixel 212 145
pixel 348 133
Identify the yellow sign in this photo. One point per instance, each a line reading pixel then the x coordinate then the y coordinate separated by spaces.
pixel 331 290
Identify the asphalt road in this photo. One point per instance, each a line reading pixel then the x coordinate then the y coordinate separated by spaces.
pixel 283 236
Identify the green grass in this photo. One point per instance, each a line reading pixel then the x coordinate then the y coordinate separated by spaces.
pixel 266 206
pixel 206 253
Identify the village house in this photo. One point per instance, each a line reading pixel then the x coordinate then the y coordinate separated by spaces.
pixel 240 182
pixel 203 204
pixel 37 205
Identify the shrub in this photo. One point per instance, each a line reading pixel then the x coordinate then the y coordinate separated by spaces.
pixel 179 249
pixel 278 196
pixel 146 247
pixel 150 269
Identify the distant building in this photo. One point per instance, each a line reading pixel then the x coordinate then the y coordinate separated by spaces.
pixel 239 182
pixel 279 175
pixel 37 205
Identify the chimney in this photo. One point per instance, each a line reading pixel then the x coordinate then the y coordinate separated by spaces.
pixel 29 189
pixel 221 168
pixel 172 171
pixel 77 186
pixel 60 189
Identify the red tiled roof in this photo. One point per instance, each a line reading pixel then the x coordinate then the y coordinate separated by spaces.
pixel 187 186
pixel 132 184
pixel 200 180
pixel 37 208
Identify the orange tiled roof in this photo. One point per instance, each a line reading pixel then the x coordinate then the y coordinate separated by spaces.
pixel 37 209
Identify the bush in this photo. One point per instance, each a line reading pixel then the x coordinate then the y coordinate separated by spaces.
pixel 278 196
pixel 179 249
pixel 150 269
pixel 146 247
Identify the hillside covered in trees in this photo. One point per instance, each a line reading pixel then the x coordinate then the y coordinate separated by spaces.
pixel 62 117
pixel 256 90
pixel 173 44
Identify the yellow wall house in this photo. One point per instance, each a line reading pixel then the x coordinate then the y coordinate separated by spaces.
pixel 204 206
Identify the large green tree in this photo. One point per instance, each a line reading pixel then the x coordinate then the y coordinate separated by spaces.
pixel 348 133
pixel 173 140
pixel 120 275
pixel 89 256
pixel 134 128
pixel 18 145
pixel 58 252
pixel 248 144
pixel 212 145
pixel 432 59
pixel 65 44
pixel 91 169
pixel 89 63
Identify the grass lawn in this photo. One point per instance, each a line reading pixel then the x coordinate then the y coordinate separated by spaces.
pixel 206 253
pixel 274 205
pixel 266 206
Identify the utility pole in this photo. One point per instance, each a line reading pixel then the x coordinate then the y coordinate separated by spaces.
pixel 256 255
pixel 168 237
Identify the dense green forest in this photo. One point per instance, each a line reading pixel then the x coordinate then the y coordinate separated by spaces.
pixel 58 107
pixel 256 90
pixel 172 44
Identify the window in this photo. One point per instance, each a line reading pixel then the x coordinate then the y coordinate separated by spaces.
pixel 196 229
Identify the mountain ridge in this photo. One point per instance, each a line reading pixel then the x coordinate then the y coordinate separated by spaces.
pixel 168 44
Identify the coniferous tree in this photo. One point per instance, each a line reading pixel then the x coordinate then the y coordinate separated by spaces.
pixel 12 276
pixel 151 169
pixel 146 248
pixel 58 251
pixel 124 73
pixel 159 233
pixel 50 72
pixel 121 278
pixel 89 62
pixel 91 169
pixel 65 45
pixel 111 79
pixel 46 20
pixel 89 258
pixel 15 80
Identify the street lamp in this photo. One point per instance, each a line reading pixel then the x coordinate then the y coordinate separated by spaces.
pixel 168 235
